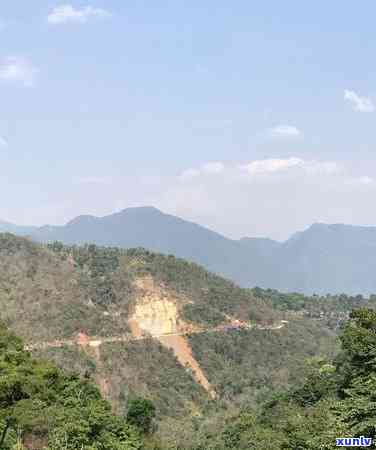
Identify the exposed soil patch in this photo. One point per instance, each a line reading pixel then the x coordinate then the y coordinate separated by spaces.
pixel 157 313
pixel 183 352
pixel 92 348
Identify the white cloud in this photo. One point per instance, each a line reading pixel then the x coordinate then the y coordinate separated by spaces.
pixel 263 166
pixel 272 166
pixel 213 167
pixel 287 200
pixel 287 193
pixel 18 70
pixel 189 174
pixel 363 180
pixel 3 142
pixel 67 13
pixel 360 104
pixel 286 131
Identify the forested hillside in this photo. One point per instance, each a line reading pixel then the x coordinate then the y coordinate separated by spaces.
pixel 322 259
pixel 333 403
pixel 41 407
pixel 138 323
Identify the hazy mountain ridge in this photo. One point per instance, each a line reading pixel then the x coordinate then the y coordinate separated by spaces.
pixel 7 227
pixel 322 259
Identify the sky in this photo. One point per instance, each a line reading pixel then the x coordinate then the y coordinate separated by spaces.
pixel 250 118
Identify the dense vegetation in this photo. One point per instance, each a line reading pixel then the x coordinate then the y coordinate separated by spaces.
pixel 107 274
pixel 42 407
pixel 247 365
pixel 334 399
pixel 43 297
pixel 54 291
pixel 332 310
pixel 151 370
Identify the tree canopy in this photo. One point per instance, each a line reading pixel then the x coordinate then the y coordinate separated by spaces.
pixel 42 407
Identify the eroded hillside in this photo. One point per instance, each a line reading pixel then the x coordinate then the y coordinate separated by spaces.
pixel 157 312
pixel 128 319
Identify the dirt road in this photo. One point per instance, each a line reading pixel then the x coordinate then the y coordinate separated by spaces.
pixel 97 341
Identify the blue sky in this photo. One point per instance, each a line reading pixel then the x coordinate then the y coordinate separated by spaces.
pixel 253 118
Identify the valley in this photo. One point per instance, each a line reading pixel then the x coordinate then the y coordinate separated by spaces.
pixel 187 237
pixel 175 340
pixel 139 323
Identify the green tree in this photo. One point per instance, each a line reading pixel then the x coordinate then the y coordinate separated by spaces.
pixel 358 367
pixel 141 413
pixel 55 410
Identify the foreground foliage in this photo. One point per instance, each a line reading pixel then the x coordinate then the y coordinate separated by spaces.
pixel 268 398
pixel 337 399
pixel 43 407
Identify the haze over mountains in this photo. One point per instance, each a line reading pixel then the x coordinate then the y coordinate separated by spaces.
pixel 322 259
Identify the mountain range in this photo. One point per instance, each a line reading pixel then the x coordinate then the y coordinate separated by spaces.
pixel 323 259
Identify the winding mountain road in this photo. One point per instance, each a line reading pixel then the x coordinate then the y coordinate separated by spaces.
pixel 83 340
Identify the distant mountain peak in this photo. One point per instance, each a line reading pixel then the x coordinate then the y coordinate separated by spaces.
pixel 4 222
pixel 254 239
pixel 322 258
pixel 317 225
pixel 83 219
pixel 140 209
pixel 327 226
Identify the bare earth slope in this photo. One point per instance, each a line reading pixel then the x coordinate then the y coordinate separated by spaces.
pixel 127 319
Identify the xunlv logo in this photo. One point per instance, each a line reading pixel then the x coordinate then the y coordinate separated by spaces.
pixel 354 442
